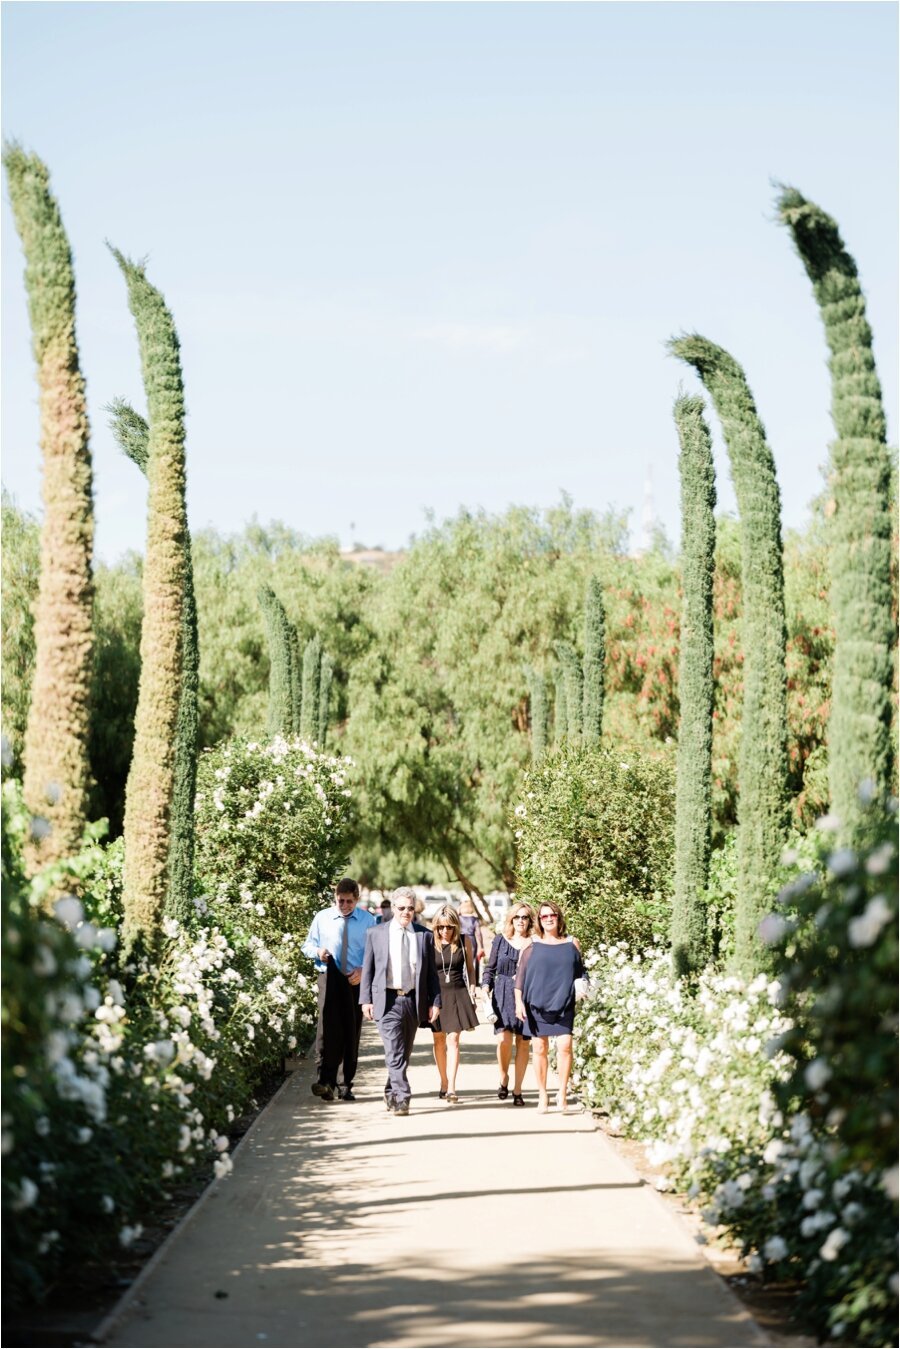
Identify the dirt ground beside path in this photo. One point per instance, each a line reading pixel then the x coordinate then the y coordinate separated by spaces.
pixel 479 1224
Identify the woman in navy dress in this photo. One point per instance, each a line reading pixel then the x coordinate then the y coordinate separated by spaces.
pixel 545 996
pixel 499 977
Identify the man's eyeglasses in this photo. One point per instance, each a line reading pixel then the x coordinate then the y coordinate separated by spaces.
pixel 346 899
pixel 405 908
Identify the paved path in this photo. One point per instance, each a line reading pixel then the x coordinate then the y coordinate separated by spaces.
pixel 475 1225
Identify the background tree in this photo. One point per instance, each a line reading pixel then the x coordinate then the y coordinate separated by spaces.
pixel 282 678
pixel 693 797
pixel 57 770
pixel 859 732
pixel 296 679
pixel 20 560
pixel 133 436
pixel 571 667
pixel 309 710
pixel 763 793
pixel 594 662
pixel 326 671
pixel 151 781
pixel 537 698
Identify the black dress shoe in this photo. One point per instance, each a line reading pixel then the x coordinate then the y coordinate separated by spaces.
pixel 346 1094
pixel 400 1108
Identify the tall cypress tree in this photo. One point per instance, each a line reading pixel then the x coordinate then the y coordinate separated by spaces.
pixel 326 670
pixel 763 768
pixel 57 766
pixel 859 730
pixel 693 797
pixel 309 712
pixel 281 680
pixel 133 436
pixel 594 662
pixel 296 679
pixel 571 665
pixel 560 708
pixel 537 694
pixel 149 797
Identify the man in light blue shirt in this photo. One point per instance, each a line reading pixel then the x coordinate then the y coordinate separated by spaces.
pixel 336 941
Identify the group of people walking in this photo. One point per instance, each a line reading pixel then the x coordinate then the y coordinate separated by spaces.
pixel 392 970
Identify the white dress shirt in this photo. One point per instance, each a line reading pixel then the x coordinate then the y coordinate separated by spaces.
pixel 395 963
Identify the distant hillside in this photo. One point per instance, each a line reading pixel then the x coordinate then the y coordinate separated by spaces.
pixel 371 557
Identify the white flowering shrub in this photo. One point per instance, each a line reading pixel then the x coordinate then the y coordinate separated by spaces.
pixel 272 822
pixel 120 1079
pixel 773 1103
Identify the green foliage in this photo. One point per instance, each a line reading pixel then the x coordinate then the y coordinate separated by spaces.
pixel 693 812
pixel 273 829
pixel 326 672
pixel 595 833
pixel 860 526
pixel 836 940
pixel 159 824
pixel 574 693
pixel 763 798
pixel 118 613
pixel 20 560
pixel 57 769
pixel 312 672
pixel 594 662
pixel 560 705
pixel 538 713
pixel 282 676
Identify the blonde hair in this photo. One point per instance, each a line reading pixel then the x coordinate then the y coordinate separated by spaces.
pixel 449 916
pixel 508 926
pixel 467 907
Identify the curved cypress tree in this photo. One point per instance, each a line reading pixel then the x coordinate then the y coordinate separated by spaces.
pixel 693 797
pixel 57 766
pixel 150 791
pixel 571 665
pixel 309 712
pixel 326 670
pixel 537 696
pixel 133 436
pixel 594 662
pixel 859 730
pixel 281 681
pixel 763 767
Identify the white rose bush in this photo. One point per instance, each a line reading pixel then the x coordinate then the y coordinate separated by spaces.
pixel 121 1080
pixel 773 1102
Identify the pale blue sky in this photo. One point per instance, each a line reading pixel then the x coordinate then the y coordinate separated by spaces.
pixel 428 255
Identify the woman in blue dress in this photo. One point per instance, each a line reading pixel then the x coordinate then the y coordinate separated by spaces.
pixel 499 977
pixel 545 996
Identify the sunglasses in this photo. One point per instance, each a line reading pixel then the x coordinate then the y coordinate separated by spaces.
pixel 546 917
pixel 346 899
pixel 444 927
pixel 405 908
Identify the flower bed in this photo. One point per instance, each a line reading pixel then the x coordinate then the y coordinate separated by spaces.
pixel 771 1103
pixel 120 1078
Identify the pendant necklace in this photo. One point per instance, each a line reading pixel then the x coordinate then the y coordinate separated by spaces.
pixel 446 969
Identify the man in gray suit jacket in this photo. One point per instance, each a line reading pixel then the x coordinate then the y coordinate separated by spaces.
pixel 399 990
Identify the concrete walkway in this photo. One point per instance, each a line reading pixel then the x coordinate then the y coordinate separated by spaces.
pixel 475 1225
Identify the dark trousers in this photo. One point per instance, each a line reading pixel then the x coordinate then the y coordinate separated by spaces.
pixel 321 980
pixel 341 1026
pixel 397 1029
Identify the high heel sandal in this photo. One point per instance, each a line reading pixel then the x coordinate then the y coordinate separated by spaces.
pixel 503 1091
pixel 442 1095
pixel 452 1098
pixel 518 1098
pixel 542 1103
